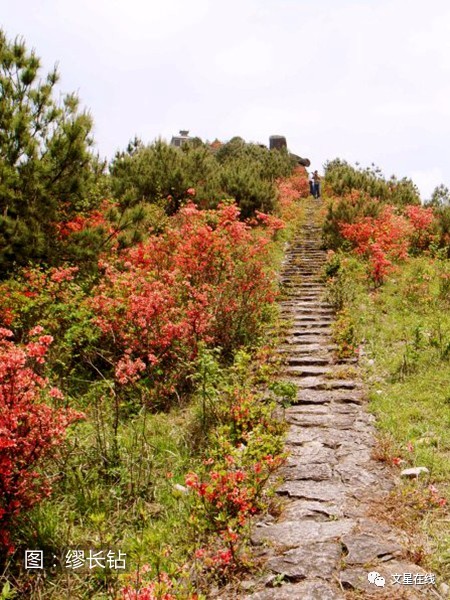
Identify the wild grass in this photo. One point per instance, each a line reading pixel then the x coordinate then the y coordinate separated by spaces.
pixel 402 333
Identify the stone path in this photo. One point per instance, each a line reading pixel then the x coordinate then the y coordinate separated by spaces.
pixel 324 544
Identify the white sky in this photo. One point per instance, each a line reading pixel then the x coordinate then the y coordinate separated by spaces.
pixel 363 80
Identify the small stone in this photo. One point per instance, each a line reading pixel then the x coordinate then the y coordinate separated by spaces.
pixel 444 590
pixel 273 581
pixel 247 585
pixel 180 488
pixel 414 472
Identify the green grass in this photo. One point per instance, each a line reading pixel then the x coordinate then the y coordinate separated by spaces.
pixel 132 506
pixel 404 330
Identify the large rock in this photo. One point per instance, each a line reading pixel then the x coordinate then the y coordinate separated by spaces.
pixel 363 548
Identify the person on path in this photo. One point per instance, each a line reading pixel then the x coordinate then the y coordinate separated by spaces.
pixel 311 184
pixel 316 184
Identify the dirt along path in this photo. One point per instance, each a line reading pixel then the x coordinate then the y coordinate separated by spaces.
pixel 325 543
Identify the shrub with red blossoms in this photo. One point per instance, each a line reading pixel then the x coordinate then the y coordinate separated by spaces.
pixel 380 239
pixel 30 429
pixel 390 236
pixel 163 587
pixel 290 189
pixel 204 280
pixel 423 221
pixel 80 222
pixel 227 495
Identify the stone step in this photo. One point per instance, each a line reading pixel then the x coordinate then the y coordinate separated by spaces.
pixel 307 370
pixel 311 317
pixel 309 310
pixel 310 329
pixel 294 293
pixel 319 383
pixel 313 396
pixel 302 306
pixel 301 348
pixel 307 360
pixel 329 420
pixel 309 337
pixel 302 300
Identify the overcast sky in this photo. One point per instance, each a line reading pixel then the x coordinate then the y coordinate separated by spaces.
pixel 363 80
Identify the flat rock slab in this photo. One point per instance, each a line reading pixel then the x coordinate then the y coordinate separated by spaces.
pixel 293 534
pixel 320 560
pixel 338 408
pixel 301 309
pixel 307 590
pixel 311 319
pixel 308 359
pixel 306 509
pixel 312 453
pixel 345 439
pixel 338 421
pixel 357 476
pixel 321 383
pixel 312 396
pixel 356 579
pixel 364 548
pixel 314 472
pixel 310 338
pixel 324 491
pixel 309 334
pixel 307 370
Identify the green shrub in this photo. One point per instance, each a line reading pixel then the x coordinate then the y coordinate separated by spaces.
pixel 341 178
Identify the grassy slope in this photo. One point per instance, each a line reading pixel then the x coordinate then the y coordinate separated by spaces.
pixel 404 331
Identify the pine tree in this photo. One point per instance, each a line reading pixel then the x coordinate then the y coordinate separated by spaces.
pixel 45 159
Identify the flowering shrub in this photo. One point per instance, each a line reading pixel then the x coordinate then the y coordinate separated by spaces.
pixel 423 222
pixel 162 587
pixel 226 490
pixel 229 488
pixel 35 295
pixel 389 236
pixel 29 429
pixel 159 589
pixel 229 494
pixel 291 189
pixel 80 222
pixel 348 208
pixel 381 239
pixel 204 280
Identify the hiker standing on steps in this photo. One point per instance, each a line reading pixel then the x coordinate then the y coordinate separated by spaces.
pixel 316 184
pixel 311 184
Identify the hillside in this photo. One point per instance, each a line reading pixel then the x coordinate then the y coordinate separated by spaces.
pixel 191 349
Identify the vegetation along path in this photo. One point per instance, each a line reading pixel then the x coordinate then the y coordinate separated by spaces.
pixel 327 538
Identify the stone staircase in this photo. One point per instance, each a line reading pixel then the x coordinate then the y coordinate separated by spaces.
pixel 325 543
